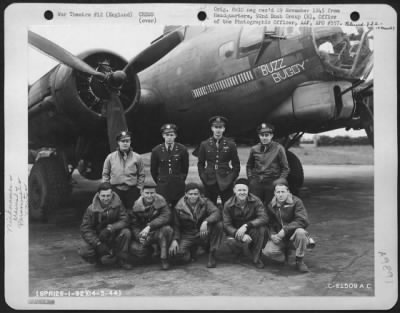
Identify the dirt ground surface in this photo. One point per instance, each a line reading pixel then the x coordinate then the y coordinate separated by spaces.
pixel 339 200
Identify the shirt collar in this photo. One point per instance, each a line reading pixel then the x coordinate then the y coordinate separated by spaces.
pixel 215 139
pixel 289 200
pixel 122 153
pixel 172 146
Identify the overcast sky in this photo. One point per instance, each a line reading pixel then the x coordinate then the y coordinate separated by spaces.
pixel 126 40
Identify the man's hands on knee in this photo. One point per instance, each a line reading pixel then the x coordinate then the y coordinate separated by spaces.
pixel 103 249
pixel 106 234
pixel 246 238
pixel 241 232
pixel 143 234
pixel 277 238
pixel 173 248
pixel 203 230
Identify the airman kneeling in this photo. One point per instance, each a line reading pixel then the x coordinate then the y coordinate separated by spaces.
pixel 197 222
pixel 150 222
pixel 104 229
pixel 245 222
pixel 287 223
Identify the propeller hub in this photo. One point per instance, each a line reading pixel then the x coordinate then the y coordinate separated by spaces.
pixel 117 79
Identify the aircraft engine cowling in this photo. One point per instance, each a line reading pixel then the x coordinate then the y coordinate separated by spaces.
pixel 314 105
pixel 82 97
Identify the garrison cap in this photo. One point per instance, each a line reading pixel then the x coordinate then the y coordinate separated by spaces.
pixel 191 186
pixel 149 185
pixel 281 181
pixel 168 128
pixel 242 181
pixel 124 134
pixel 218 120
pixel 265 128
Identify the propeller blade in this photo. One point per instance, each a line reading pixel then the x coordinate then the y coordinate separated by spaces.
pixel 116 121
pixel 154 52
pixel 61 55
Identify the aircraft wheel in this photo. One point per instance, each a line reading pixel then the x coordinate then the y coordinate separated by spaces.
pixel 48 186
pixel 296 175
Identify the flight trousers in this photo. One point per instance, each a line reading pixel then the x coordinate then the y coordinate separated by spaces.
pixel 129 196
pixel 263 189
pixel 259 238
pixel 298 241
pixel 162 237
pixel 212 192
pixel 119 246
pixel 193 240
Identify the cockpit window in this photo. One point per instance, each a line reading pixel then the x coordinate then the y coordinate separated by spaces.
pixel 345 51
pixel 251 39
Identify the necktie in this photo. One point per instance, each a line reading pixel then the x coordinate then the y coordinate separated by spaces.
pixel 169 148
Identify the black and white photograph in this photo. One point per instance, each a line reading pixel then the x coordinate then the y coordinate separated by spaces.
pixel 188 164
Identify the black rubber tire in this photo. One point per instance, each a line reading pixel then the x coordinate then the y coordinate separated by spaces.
pixel 368 121
pixel 296 175
pixel 49 186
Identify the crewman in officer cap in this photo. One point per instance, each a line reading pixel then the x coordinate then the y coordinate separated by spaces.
pixel 124 170
pixel 215 155
pixel 266 164
pixel 169 165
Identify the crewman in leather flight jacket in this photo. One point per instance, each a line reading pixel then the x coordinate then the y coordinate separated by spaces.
pixel 124 169
pixel 266 165
pixel 215 154
pixel 169 166
pixel 245 222
pixel 150 221
pixel 197 221
pixel 288 220
pixel 105 229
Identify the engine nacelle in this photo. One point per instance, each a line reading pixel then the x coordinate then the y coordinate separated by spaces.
pixel 314 104
pixel 83 97
pixel 67 106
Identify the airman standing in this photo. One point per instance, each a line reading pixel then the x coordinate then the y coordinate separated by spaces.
pixel 267 162
pixel 169 166
pixel 218 162
pixel 124 169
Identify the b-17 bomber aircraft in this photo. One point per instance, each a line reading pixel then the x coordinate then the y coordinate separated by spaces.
pixel 299 79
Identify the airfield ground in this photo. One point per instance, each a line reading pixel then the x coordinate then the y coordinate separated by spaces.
pixel 339 199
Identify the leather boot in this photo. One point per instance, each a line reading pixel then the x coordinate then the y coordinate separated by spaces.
pixel 259 264
pixel 165 264
pixel 211 260
pixel 301 266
